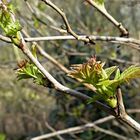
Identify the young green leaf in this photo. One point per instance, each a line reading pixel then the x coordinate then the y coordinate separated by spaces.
pixel 110 70
pixel 108 82
pixel 99 1
pixel 130 73
pixel 7 24
pixel 12 28
pixel 93 73
pixel 117 75
pixel 29 70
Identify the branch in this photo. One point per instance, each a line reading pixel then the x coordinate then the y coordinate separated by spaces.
pixel 55 62
pixel 53 130
pixel 116 40
pixel 79 129
pixel 122 115
pixel 5 39
pixel 68 27
pixel 92 37
pixel 103 11
pixel 34 13
pixel 58 86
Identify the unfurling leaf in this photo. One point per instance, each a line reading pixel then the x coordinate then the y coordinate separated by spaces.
pixel 8 25
pixel 93 73
pixel 86 71
pixel 110 70
pixel 12 28
pixel 117 75
pixel 130 73
pixel 29 70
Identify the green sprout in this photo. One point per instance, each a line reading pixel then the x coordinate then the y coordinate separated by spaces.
pixel 9 26
pixel 99 2
pixel 94 73
pixel 28 70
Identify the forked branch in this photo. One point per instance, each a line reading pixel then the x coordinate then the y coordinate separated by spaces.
pixel 122 115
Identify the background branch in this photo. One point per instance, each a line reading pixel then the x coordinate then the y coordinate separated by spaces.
pixel 79 129
pixel 103 11
pixel 131 42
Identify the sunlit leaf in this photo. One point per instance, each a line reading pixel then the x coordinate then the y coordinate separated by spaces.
pixel 12 28
pixel 29 70
pixel 8 25
pixel 117 75
pixel 130 73
pixel 93 73
pixel 110 70
pixel 107 82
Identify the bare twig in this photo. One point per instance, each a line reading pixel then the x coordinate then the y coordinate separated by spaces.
pixel 68 27
pixel 5 39
pixel 124 61
pixel 34 13
pixel 53 130
pixel 116 40
pixel 79 129
pixel 103 11
pixel 112 39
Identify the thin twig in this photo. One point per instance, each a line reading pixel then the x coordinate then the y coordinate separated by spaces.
pixel 68 27
pixel 116 40
pixel 79 129
pixel 34 13
pixel 103 11
pixel 82 127
pixel 53 130
pixel 5 39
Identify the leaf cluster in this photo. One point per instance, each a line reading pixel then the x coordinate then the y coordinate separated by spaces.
pixel 8 25
pixel 28 70
pixel 93 72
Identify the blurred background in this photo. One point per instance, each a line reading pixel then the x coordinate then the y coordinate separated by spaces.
pixel 28 110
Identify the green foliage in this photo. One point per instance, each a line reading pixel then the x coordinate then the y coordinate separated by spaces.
pixel 130 73
pixel 99 1
pixel 2 136
pixel 8 25
pixel 21 102
pixel 110 70
pixel 93 73
pixel 28 70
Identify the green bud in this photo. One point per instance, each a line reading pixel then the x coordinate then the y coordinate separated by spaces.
pixel 112 102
